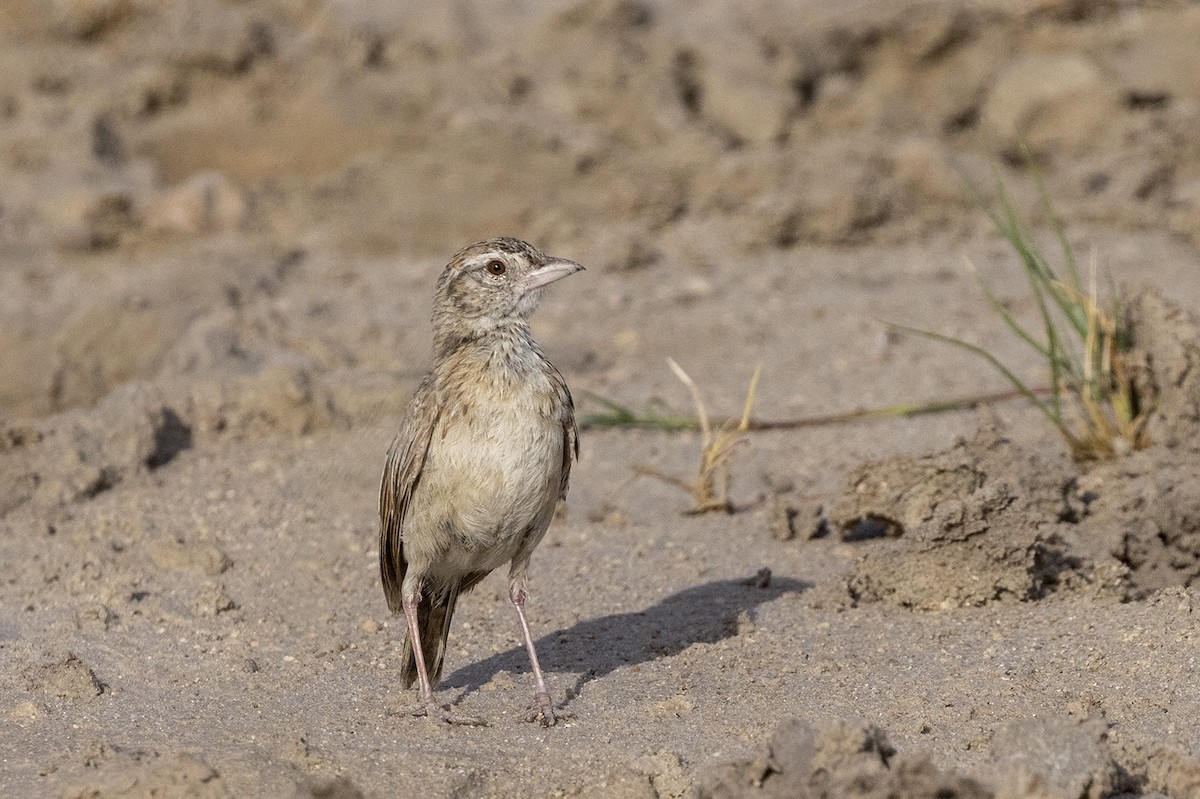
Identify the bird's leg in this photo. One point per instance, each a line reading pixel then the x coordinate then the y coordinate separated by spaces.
pixel 414 636
pixel 426 706
pixel 541 698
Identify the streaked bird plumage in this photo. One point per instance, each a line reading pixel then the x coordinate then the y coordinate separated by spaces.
pixel 484 455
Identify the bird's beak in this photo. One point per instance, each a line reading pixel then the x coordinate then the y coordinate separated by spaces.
pixel 553 269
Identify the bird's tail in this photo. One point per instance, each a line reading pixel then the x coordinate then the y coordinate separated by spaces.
pixel 433 624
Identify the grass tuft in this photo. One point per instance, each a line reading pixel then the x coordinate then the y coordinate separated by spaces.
pixel 1091 401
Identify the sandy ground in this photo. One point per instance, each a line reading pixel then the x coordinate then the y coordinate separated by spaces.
pixel 220 225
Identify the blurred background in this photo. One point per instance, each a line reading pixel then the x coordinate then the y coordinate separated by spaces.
pixel 214 187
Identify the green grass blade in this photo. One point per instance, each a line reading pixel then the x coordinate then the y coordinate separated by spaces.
pixel 1037 268
pixel 619 415
pixel 1055 358
pixel 982 202
pixel 1063 360
pixel 1051 354
pixel 1038 275
pixel 1050 413
pixel 1124 343
pixel 612 405
pixel 1015 231
pixel 1007 316
pixel 1055 220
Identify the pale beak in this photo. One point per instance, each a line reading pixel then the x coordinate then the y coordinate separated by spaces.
pixel 553 269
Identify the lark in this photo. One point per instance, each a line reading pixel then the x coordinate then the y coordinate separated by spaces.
pixel 482 459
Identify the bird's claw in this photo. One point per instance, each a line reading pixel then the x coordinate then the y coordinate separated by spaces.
pixel 543 716
pixel 542 711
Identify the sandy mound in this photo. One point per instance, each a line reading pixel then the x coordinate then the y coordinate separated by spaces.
pixel 801 761
pixel 994 520
pixel 981 522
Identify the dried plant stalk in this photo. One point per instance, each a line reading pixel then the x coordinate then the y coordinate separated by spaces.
pixel 710 487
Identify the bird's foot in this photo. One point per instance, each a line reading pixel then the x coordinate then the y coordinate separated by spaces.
pixel 542 711
pixel 542 715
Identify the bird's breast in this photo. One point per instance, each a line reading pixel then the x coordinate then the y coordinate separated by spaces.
pixel 494 463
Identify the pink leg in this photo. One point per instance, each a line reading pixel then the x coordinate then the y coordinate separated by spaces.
pixel 414 637
pixel 541 698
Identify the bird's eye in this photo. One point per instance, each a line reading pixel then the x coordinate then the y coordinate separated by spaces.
pixel 496 267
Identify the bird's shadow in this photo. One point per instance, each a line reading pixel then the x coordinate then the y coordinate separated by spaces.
pixel 593 648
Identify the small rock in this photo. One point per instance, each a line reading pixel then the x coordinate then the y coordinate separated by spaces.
pixel 66 678
pixel 666 774
pixel 95 617
pixel 172 555
pixel 213 600
pixel 1063 757
pixel 779 519
pixel 502 681
pixel 789 517
pixel 25 711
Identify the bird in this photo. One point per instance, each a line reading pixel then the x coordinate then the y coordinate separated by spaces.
pixel 475 473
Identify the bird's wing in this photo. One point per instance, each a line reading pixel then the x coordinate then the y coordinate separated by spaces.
pixel 570 440
pixel 401 474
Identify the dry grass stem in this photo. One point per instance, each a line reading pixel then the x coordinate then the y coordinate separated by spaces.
pixel 1106 394
pixel 710 487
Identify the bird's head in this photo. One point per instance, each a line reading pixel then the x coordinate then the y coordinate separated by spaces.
pixel 493 284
